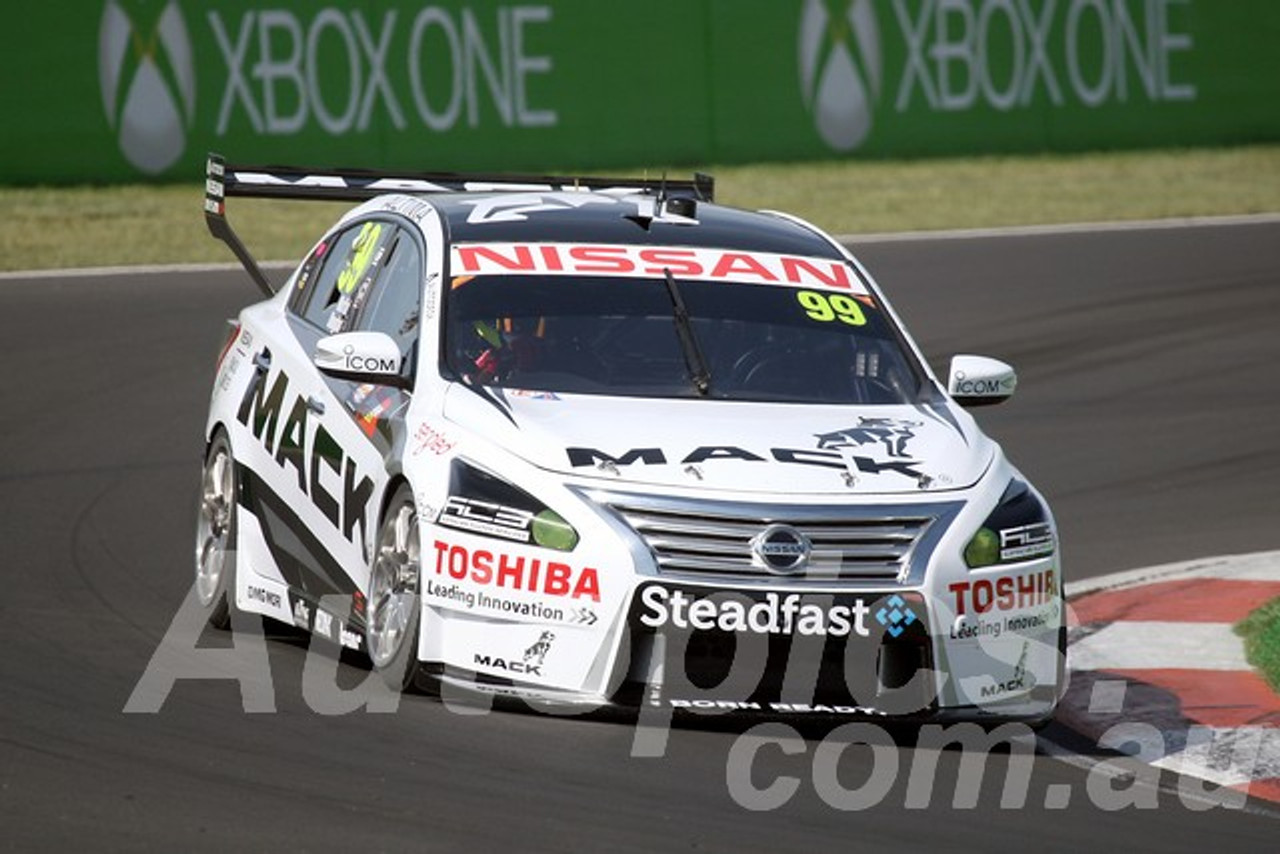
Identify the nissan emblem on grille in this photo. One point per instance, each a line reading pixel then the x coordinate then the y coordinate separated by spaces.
pixel 782 549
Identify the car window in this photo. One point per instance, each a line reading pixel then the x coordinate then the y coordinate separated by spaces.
pixel 349 264
pixel 599 335
pixel 306 276
pixel 392 305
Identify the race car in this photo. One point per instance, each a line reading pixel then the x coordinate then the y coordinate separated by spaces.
pixel 602 442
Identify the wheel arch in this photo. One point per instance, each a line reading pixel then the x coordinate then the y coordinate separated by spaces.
pixel 212 430
pixel 216 429
pixel 393 486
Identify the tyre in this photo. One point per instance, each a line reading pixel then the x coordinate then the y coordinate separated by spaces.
pixel 216 533
pixel 391 632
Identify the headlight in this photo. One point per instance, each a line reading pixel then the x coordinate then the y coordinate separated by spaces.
pixel 1018 529
pixel 484 504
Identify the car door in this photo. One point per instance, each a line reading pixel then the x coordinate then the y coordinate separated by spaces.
pixel 371 280
pixel 318 478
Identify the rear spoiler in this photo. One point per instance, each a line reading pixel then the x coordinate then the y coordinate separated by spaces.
pixel 224 180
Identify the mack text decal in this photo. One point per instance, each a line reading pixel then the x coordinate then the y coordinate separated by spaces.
pixel 833 459
pixel 310 451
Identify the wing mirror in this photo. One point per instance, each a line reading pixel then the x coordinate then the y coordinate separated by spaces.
pixel 372 357
pixel 980 381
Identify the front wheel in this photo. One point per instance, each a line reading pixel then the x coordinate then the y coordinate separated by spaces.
pixel 391 634
pixel 216 534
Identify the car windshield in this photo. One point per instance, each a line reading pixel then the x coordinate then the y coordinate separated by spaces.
pixel 622 336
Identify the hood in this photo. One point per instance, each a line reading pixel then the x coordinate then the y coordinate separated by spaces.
pixel 732 445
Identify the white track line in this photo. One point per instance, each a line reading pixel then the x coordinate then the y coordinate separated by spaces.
pixel 138 270
pixel 1257 566
pixel 850 239
pixel 1067 228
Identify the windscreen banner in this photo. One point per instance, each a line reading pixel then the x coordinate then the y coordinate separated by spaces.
pixel 127 90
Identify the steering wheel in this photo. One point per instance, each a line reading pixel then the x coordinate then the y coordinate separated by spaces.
pixel 748 367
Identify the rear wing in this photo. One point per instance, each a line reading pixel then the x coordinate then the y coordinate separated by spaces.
pixel 224 180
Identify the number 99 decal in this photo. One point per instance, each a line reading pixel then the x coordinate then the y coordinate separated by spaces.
pixel 360 257
pixel 829 307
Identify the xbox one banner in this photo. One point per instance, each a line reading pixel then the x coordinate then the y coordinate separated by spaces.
pixel 127 90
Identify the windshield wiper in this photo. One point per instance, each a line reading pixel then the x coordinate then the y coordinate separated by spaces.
pixel 693 357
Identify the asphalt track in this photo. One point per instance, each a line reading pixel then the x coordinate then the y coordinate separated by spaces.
pixel 1147 412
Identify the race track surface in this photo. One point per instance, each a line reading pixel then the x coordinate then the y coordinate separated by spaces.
pixel 1147 412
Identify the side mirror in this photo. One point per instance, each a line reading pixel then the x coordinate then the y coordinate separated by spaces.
pixel 980 381
pixel 372 357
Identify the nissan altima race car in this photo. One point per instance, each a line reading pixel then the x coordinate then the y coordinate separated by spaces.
pixel 605 442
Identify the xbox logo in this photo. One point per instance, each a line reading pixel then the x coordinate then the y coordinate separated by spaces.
pixel 840 68
pixel 148 84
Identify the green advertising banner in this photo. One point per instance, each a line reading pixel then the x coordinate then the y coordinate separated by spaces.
pixel 126 90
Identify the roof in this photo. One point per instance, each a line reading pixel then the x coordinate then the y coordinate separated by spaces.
pixel 600 218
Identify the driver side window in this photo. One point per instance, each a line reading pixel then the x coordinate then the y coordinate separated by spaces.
pixel 393 304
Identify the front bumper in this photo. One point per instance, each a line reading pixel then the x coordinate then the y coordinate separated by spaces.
pixel 693 623
pixel 889 665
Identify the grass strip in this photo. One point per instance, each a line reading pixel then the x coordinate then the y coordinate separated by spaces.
pixel 43 227
pixel 1261 633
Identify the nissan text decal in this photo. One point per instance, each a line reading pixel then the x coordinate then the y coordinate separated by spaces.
pixel 639 261
pixel 958 55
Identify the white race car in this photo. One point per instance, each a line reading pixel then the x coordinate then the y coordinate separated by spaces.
pixel 605 442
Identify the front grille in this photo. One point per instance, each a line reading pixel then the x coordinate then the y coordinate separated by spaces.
pixel 714 542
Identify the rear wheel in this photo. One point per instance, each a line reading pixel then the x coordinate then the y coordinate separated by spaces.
pixel 391 634
pixel 215 533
